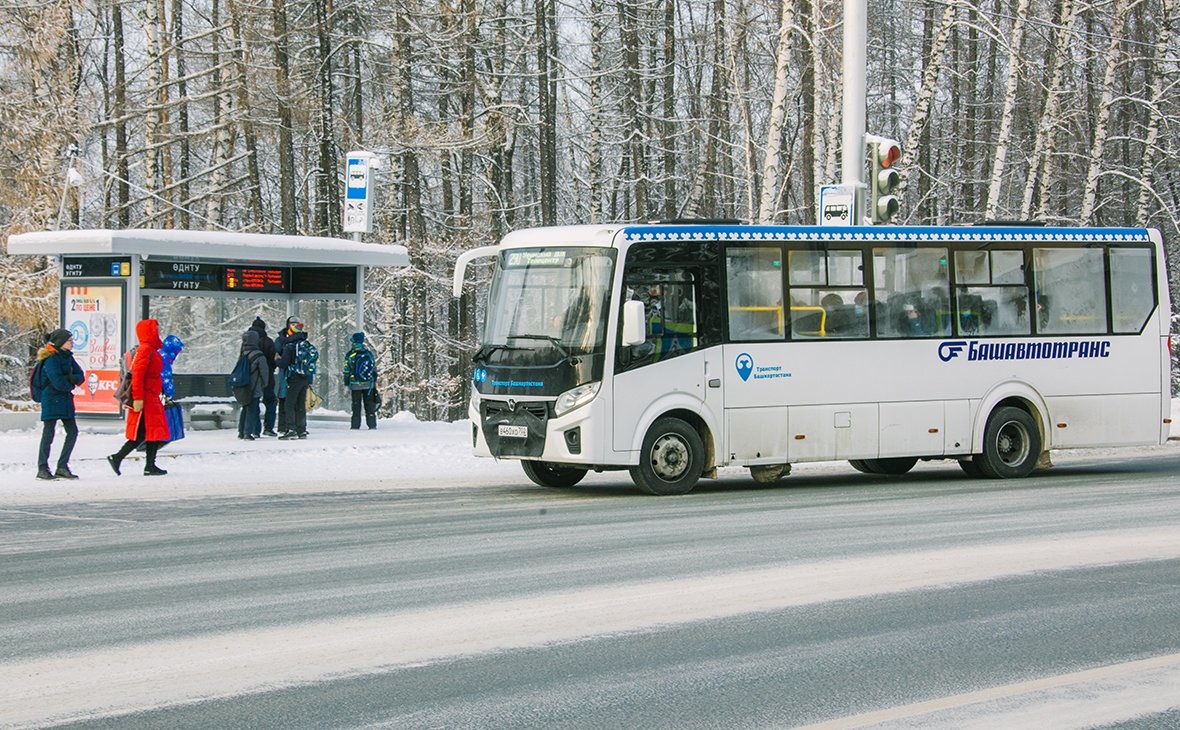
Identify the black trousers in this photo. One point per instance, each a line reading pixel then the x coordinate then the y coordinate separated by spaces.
pixel 295 404
pixel 47 430
pixel 131 444
pixel 269 400
pixel 368 400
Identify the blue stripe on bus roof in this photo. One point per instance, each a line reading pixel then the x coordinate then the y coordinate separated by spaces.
pixel 658 232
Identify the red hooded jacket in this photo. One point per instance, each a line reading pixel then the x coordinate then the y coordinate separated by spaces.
pixel 147 383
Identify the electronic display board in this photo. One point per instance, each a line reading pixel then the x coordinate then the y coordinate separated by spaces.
pixel 197 276
pixel 182 275
pixel 323 280
pixel 252 278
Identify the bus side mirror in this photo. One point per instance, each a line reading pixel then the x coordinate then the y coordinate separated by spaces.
pixel 633 324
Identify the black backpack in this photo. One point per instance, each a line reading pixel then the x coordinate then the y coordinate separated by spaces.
pixel 37 381
pixel 239 380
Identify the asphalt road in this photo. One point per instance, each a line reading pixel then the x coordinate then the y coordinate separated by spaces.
pixel 838 599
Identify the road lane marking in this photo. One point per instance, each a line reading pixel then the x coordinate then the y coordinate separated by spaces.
pixel 128 678
pixel 1089 701
pixel 75 518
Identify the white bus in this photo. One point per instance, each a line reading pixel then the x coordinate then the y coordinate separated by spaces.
pixel 674 349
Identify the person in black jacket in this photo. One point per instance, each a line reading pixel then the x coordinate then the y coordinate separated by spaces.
pixel 56 375
pixel 295 403
pixel 249 424
pixel 269 399
pixel 280 378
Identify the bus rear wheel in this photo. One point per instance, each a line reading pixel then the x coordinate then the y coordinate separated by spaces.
pixel 672 459
pixel 891 467
pixel 970 468
pixel 1011 444
pixel 548 474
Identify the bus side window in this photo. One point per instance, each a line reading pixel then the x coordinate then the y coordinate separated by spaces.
pixel 913 283
pixel 670 314
pixel 1070 290
pixel 755 291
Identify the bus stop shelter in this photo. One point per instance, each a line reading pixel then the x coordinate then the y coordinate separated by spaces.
pixel 206 287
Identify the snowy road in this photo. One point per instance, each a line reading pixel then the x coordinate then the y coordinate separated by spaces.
pixel 837 598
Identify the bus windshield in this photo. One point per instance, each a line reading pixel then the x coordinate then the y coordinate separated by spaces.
pixel 552 299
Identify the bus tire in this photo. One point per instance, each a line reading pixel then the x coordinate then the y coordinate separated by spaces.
pixel 860 466
pixel 1011 444
pixel 891 467
pixel 970 468
pixel 672 458
pixel 769 473
pixel 548 474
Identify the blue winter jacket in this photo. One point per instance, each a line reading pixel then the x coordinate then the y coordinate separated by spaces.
pixel 59 374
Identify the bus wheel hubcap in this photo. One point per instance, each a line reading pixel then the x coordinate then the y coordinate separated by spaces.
pixel 1011 444
pixel 669 457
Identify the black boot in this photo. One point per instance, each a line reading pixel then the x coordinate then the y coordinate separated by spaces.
pixel 63 472
pixel 115 460
pixel 43 473
pixel 151 470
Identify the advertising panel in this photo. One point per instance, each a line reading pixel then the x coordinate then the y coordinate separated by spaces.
pixel 94 315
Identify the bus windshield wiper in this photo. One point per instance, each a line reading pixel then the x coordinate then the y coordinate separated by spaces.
pixel 485 351
pixel 556 342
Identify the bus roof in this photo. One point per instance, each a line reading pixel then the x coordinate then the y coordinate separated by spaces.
pixel 605 234
pixel 888 234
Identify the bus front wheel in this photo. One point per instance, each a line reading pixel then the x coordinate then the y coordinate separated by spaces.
pixel 1011 444
pixel 547 474
pixel 672 459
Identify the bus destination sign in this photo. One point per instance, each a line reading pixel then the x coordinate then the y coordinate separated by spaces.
pixel 86 266
pixel 181 275
pixel 241 278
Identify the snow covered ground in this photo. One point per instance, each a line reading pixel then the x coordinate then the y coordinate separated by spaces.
pixel 402 453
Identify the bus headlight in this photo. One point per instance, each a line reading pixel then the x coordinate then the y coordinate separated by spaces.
pixel 575 397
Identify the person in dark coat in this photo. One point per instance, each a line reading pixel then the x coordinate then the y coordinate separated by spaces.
pixel 249 422
pixel 297 385
pixel 281 373
pixel 57 376
pixel 269 399
pixel 146 421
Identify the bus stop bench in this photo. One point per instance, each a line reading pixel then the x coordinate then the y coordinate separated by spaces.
pixel 206 401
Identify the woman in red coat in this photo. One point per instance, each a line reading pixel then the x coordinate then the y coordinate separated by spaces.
pixel 145 421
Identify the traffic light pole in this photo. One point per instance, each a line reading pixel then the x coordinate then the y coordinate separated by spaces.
pixel 856 41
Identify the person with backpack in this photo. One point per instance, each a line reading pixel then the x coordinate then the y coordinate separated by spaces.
pixel 146 421
pixel 269 399
pixel 299 361
pixel 52 385
pixel 257 377
pixel 360 378
pixel 281 373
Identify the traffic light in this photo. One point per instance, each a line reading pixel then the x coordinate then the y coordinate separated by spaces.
pixel 884 153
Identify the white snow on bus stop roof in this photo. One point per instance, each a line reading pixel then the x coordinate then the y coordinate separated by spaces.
pixel 209 245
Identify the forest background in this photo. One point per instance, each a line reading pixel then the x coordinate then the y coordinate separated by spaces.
pixel 492 115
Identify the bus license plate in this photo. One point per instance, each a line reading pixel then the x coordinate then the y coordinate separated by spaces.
pixel 513 432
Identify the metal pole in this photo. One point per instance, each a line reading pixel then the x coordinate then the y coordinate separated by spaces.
pixel 360 298
pixel 856 41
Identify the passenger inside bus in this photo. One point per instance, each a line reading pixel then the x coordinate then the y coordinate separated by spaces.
pixel 911 323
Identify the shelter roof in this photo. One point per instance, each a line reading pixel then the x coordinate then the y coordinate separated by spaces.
pixel 209 246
